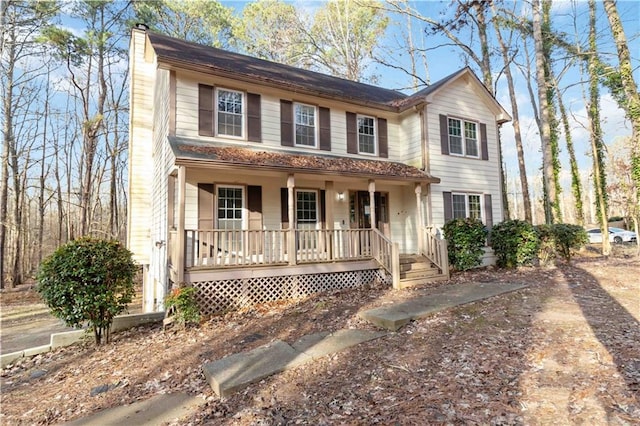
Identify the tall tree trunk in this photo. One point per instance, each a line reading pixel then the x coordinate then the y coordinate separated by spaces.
pixel 576 185
pixel 43 172
pixel 545 129
pixel 554 137
pixel 524 184
pixel 487 78
pixel 597 145
pixel 633 99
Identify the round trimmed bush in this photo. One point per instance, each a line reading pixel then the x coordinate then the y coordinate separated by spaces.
pixel 88 280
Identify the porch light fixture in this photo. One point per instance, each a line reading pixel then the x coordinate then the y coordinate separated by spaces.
pixel 340 196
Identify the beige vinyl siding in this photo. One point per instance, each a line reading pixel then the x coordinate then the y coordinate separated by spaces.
pixel 410 139
pixel 187 116
pixel 163 160
pixel 462 174
pixel 140 143
pixel 402 202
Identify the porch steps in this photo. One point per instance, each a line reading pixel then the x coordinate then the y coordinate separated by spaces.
pixel 415 270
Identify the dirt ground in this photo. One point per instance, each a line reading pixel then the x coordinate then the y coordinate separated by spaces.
pixel 564 350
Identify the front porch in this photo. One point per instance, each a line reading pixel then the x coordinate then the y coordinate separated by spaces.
pixel 250 233
pixel 233 269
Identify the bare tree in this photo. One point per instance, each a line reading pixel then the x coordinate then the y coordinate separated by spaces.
pixel 549 187
pixel 597 144
pixel 632 103
pixel 515 115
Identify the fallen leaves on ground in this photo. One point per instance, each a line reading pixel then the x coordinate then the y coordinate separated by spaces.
pixel 566 349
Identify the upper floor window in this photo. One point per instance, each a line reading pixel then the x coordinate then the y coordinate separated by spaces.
pixel 366 135
pixel 230 113
pixel 463 137
pixel 466 205
pixel 305 125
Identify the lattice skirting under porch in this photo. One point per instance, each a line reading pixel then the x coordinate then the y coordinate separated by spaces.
pixel 215 297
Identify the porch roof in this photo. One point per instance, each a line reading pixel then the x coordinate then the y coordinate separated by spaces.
pixel 190 152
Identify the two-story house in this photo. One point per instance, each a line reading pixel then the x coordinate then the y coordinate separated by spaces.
pixel 253 180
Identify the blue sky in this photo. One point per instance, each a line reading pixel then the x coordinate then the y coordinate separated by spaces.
pixel 443 59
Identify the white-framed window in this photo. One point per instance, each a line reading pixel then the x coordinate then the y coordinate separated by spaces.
pixel 305 124
pixel 466 205
pixel 306 208
pixel 463 138
pixel 230 214
pixel 366 135
pixel 230 113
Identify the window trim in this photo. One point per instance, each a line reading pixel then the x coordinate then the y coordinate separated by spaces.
pixel 243 115
pixel 245 216
pixel 463 138
pixel 318 222
pixel 316 126
pixel 466 196
pixel 375 135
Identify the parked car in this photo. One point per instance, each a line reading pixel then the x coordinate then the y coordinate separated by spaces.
pixel 627 236
pixel 616 235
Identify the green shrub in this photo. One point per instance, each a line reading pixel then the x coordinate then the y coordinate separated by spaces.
pixel 88 280
pixel 547 247
pixel 182 306
pixel 465 242
pixel 560 239
pixel 514 242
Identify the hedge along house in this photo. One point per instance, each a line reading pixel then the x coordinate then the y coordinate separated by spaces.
pixel 253 180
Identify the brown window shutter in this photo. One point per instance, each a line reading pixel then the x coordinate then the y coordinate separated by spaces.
pixel 488 211
pixel 484 145
pixel 352 133
pixel 254 205
pixel 325 129
pixel 205 206
pixel 286 123
pixel 447 200
pixel 383 147
pixel 444 134
pixel 206 119
pixel 254 124
pixel 284 207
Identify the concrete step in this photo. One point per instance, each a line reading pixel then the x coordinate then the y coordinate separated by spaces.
pixel 394 316
pixel 235 372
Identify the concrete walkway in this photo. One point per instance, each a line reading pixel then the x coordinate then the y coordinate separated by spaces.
pixel 394 316
pixel 235 372
pixel 238 371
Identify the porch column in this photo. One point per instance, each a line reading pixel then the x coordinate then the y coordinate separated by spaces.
pixel 180 240
pixel 330 198
pixel 419 219
pixel 372 203
pixel 291 242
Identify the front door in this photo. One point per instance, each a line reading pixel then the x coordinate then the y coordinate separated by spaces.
pixel 360 210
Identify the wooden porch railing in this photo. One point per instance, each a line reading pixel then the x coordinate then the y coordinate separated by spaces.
pixel 387 253
pixel 219 248
pixel 435 249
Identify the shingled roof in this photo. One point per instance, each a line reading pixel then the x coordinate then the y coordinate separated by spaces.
pixel 196 56
pixel 186 150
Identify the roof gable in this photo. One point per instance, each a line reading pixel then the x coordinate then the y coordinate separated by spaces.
pixel 427 94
